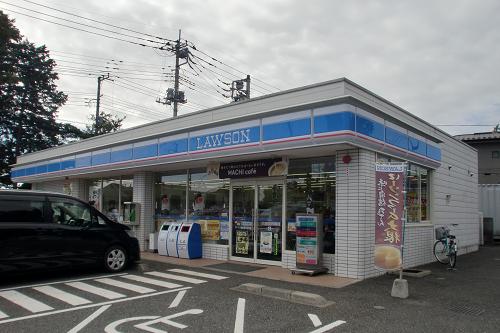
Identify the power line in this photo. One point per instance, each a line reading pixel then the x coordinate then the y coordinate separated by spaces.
pixel 79 29
pixel 222 63
pixel 97 21
pixel 79 23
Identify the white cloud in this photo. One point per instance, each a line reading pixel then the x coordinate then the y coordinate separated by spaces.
pixel 437 59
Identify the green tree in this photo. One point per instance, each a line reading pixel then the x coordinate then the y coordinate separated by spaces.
pixel 29 99
pixel 107 123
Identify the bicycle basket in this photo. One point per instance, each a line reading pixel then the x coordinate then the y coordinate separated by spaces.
pixel 442 232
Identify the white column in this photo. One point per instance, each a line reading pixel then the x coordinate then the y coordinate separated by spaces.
pixel 355 214
pixel 79 189
pixel 143 194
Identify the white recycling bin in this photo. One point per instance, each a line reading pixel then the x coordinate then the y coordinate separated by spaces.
pixel 162 239
pixel 173 233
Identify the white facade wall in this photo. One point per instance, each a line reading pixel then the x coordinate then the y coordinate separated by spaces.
pixel 143 194
pixel 50 186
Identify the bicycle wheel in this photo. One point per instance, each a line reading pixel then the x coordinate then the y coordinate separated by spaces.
pixel 441 252
pixel 453 259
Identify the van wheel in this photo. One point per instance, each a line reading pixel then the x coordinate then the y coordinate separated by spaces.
pixel 115 259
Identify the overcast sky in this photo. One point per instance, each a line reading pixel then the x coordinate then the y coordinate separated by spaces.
pixel 439 60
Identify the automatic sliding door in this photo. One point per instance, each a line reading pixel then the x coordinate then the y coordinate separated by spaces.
pixel 243 221
pixel 269 219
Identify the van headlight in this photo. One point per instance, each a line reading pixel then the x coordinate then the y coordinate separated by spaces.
pixel 130 233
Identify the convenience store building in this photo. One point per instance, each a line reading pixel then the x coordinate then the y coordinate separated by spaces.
pixel 246 169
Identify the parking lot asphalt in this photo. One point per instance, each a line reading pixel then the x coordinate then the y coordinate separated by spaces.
pixel 160 297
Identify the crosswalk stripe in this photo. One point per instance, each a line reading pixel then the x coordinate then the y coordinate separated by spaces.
pixel 24 301
pixel 124 285
pixel 62 295
pixel 109 294
pixel 205 275
pixel 3 315
pixel 155 282
pixel 176 277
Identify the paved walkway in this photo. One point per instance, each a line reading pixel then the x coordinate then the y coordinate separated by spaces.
pixel 262 271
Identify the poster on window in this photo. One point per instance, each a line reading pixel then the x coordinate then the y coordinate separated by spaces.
pixel 242 242
pixel 266 242
pixel 224 230
pixel 389 214
pixel 210 229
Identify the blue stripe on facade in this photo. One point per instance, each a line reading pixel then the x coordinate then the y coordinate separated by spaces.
pixel 339 121
pixel 286 129
pixel 30 171
pixel 417 146
pixel 41 169
pixel 173 147
pixel 145 151
pixel 102 158
pixel 121 155
pixel 396 138
pixel 370 128
pixel 68 164
pixel 433 152
pixel 225 139
pixel 81 162
pixel 52 167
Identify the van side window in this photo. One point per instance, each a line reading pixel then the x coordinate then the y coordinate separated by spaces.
pixel 70 212
pixel 27 211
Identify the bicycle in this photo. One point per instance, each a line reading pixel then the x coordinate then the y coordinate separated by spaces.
pixel 446 247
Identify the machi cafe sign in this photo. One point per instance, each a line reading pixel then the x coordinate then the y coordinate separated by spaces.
pixel 245 169
pixel 389 215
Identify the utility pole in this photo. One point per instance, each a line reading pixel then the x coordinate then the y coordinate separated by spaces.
pixel 240 89
pixel 176 82
pixel 175 96
pixel 97 115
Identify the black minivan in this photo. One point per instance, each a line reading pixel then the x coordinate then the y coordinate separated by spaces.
pixel 43 230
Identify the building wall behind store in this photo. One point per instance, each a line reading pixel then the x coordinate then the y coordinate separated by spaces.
pixel 454 193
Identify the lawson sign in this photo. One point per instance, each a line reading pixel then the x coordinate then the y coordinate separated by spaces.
pixel 216 141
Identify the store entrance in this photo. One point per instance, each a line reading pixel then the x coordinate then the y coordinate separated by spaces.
pixel 257 216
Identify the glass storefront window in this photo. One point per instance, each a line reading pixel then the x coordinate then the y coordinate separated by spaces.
pixel 170 198
pixel 209 206
pixel 311 189
pixel 417 190
pixel 95 193
pixel 417 195
pixel 412 195
pixel 111 198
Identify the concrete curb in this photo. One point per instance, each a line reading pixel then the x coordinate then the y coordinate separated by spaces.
pixel 289 295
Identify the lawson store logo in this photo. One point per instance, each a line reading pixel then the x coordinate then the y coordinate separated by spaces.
pixel 225 139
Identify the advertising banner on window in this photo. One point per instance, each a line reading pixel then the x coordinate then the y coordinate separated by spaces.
pixel 389 214
pixel 259 168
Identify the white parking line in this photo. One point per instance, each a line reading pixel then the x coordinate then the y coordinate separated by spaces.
pixel 91 305
pixel 177 300
pixel 154 282
pixel 24 301
pixel 328 327
pixel 176 277
pixel 95 290
pixel 315 319
pixel 3 315
pixel 124 285
pixel 62 295
pixel 240 316
pixel 205 275
pixel 64 281
pixel 87 320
